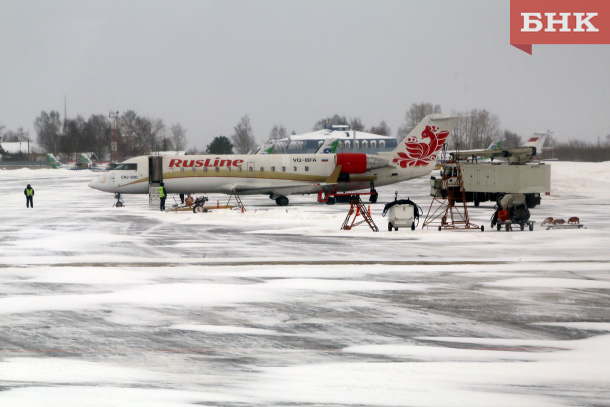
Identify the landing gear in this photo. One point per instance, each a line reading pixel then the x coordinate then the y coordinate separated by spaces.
pixel 281 201
pixel 374 195
pixel 119 200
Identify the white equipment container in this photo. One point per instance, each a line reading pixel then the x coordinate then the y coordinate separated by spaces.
pixel 401 216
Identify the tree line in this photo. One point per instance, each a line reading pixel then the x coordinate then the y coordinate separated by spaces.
pixel 140 135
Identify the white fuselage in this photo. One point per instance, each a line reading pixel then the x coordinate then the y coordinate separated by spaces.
pixel 273 174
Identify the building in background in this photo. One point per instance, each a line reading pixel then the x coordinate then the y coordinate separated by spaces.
pixel 350 141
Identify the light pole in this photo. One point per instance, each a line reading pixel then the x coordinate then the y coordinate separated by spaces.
pixel 114 135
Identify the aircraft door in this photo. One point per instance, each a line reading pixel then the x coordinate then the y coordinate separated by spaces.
pixel 155 178
pixel 250 169
pixel 155 169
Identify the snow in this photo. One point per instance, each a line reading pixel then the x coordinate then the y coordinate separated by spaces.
pixel 106 306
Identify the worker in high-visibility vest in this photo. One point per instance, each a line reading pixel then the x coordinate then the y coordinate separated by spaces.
pixel 29 196
pixel 162 196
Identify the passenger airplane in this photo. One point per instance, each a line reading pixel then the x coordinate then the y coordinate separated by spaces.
pixel 281 175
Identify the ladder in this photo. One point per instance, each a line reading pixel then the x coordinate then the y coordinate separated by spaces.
pixel 451 212
pixel 357 208
pixel 237 199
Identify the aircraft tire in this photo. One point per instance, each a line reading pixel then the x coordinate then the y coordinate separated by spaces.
pixel 119 204
pixel 373 197
pixel 281 201
pixel 412 226
pixel 389 226
pixel 499 227
pixel 531 227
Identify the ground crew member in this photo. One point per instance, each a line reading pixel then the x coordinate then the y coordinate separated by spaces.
pixel 162 195
pixel 29 196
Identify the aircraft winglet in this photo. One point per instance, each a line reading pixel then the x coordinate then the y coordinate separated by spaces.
pixel 332 179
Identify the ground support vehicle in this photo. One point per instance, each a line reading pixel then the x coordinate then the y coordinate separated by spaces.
pixel 484 182
pixel 402 213
pixel 512 210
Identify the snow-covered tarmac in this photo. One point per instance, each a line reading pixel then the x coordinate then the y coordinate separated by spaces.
pixel 104 306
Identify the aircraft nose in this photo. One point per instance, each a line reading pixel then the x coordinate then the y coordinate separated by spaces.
pixel 97 183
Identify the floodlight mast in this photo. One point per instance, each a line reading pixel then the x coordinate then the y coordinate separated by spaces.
pixel 114 135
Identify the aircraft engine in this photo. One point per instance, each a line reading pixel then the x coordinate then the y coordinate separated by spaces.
pixel 359 163
pixel 352 163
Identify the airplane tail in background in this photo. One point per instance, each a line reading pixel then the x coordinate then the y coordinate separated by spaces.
pixel 85 159
pixel 495 145
pixel 423 144
pixel 267 148
pixel 54 162
pixel 537 141
pixel 329 146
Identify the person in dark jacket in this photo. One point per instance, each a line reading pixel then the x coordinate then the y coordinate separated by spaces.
pixel 29 196
pixel 162 196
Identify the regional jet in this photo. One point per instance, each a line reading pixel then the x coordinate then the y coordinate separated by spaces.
pixel 281 175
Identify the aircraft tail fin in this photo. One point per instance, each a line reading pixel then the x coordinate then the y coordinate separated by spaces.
pixel 54 162
pixel 423 145
pixel 537 141
pixel 495 145
pixel 83 157
pixel 267 148
pixel 328 147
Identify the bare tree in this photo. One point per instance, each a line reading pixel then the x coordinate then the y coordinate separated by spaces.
pixel 356 124
pixel 511 139
pixel 16 136
pixel 382 129
pixel 476 129
pixel 243 139
pixel 156 134
pixel 329 121
pixel 97 130
pixel 48 128
pixel 178 136
pixel 277 132
pixel 414 115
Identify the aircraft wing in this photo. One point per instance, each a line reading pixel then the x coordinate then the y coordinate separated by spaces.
pixel 517 153
pixel 328 184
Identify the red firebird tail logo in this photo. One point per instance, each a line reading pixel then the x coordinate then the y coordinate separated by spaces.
pixel 420 154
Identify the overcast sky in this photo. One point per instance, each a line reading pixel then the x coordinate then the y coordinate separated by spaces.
pixel 204 64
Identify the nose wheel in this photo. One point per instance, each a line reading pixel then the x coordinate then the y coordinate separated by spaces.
pixel 119 200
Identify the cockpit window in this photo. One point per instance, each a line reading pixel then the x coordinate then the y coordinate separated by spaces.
pixel 129 167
